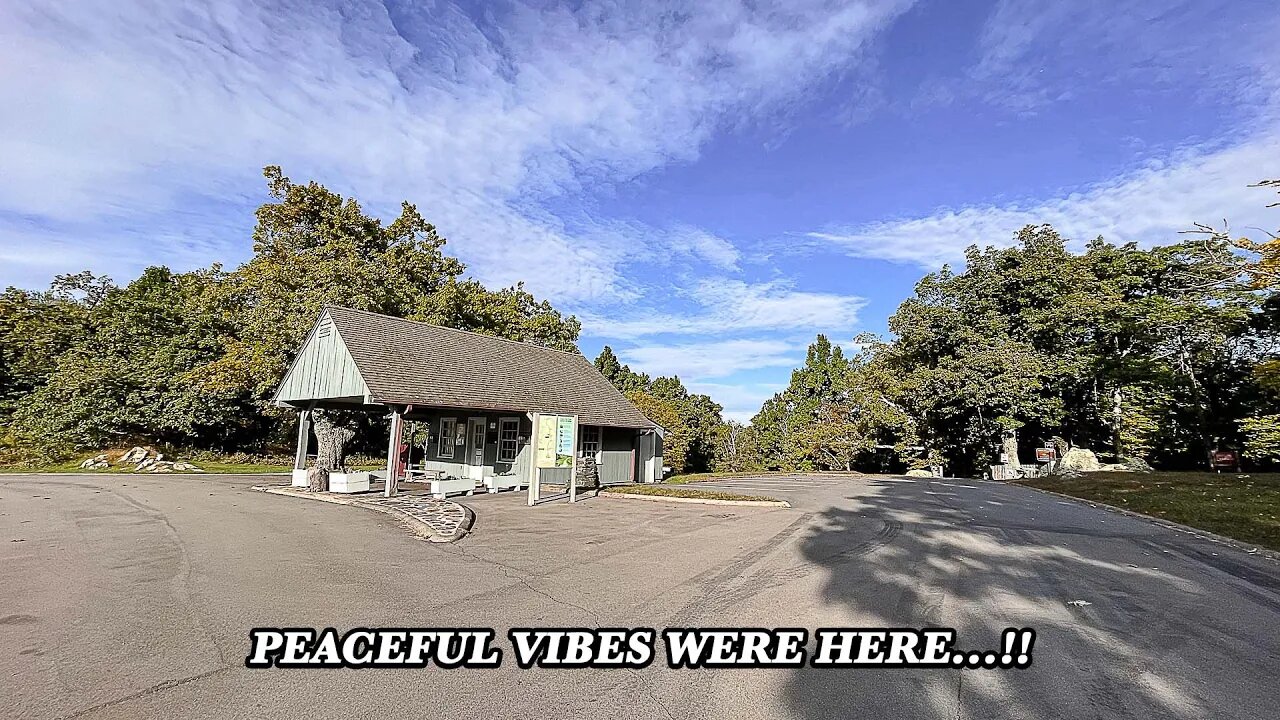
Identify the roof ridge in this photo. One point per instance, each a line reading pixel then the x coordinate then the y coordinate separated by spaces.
pixel 577 353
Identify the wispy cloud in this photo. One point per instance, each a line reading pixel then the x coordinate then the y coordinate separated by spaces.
pixel 1150 204
pixel 711 359
pixel 726 306
pixel 141 114
pixel 741 401
pixel 1032 55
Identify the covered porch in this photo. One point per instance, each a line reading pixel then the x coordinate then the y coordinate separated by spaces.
pixel 462 409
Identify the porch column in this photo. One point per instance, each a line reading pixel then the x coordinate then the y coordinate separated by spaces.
pixel 304 435
pixel 393 453
pixel 298 478
pixel 573 469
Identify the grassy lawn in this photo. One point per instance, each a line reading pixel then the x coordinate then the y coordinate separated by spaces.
pixel 712 477
pixel 73 466
pixel 1241 506
pixel 680 492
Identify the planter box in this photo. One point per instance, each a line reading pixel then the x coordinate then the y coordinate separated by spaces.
pixel 439 488
pixel 503 482
pixel 349 482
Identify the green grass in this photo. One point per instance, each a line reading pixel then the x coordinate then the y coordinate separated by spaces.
pixel 687 478
pixel 209 466
pixel 1245 507
pixel 679 492
pixel 73 466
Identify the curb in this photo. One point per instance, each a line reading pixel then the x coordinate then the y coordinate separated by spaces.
pixel 416 526
pixel 1252 550
pixel 696 501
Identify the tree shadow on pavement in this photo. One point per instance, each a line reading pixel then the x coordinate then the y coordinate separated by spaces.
pixel 1163 635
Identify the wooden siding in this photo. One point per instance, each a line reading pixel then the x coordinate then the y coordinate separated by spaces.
pixel 617 456
pixel 323 370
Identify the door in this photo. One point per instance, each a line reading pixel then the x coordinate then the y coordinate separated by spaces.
pixel 475 449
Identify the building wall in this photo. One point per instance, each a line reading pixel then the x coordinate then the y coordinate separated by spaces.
pixel 324 369
pixel 618 461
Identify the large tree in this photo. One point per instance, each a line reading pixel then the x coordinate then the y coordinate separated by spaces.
pixel 192 359
pixel 313 248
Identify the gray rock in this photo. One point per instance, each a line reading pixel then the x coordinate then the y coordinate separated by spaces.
pixel 1137 464
pixel 1079 460
pixel 919 473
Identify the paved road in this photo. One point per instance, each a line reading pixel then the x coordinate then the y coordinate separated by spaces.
pixel 131 597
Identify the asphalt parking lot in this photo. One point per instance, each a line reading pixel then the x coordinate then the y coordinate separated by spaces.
pixel 132 597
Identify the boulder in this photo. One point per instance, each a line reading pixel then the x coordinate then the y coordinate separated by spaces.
pixel 1115 467
pixel 133 456
pixel 1078 460
pixel 919 473
pixel 1137 464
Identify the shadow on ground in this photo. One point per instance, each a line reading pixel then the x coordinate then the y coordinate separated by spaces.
pixel 1176 627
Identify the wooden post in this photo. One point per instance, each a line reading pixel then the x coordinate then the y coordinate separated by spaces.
pixel 304 435
pixel 393 454
pixel 533 460
pixel 573 468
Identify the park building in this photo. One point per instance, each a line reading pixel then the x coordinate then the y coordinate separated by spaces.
pixel 466 412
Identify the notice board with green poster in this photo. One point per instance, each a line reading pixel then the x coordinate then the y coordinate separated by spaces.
pixel 555 439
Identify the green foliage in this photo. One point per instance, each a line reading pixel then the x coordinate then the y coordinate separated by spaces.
pixel 1262 437
pixel 620 375
pixel 837 413
pixel 692 422
pixel 191 360
pixel 130 378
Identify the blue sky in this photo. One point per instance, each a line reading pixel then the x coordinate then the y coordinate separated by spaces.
pixel 706 184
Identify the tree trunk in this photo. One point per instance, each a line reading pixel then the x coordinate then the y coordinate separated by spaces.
pixel 1011 449
pixel 317 480
pixel 1117 421
pixel 333 432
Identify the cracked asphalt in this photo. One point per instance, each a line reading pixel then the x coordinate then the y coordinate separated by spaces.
pixel 132 597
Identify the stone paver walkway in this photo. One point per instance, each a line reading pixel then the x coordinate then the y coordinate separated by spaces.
pixel 437 520
pixel 443 516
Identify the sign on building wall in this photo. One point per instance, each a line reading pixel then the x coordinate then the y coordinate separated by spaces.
pixel 555 437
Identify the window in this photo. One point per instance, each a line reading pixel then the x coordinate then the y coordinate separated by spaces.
pixel 508 439
pixel 590 439
pixel 448 431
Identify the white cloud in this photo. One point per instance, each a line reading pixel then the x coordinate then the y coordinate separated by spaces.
pixel 137 113
pixel 740 401
pixel 733 306
pixel 700 244
pixel 712 359
pixel 1028 59
pixel 1149 205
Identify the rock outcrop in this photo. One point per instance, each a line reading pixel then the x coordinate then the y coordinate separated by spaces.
pixel 143 460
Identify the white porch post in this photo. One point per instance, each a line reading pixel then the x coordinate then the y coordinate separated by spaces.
pixel 304 434
pixel 534 489
pixel 299 474
pixel 573 469
pixel 393 453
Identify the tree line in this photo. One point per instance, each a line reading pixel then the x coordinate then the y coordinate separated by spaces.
pixel 1163 353
pixel 190 360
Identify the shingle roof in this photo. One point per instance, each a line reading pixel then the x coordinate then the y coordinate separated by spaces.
pixel 407 362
